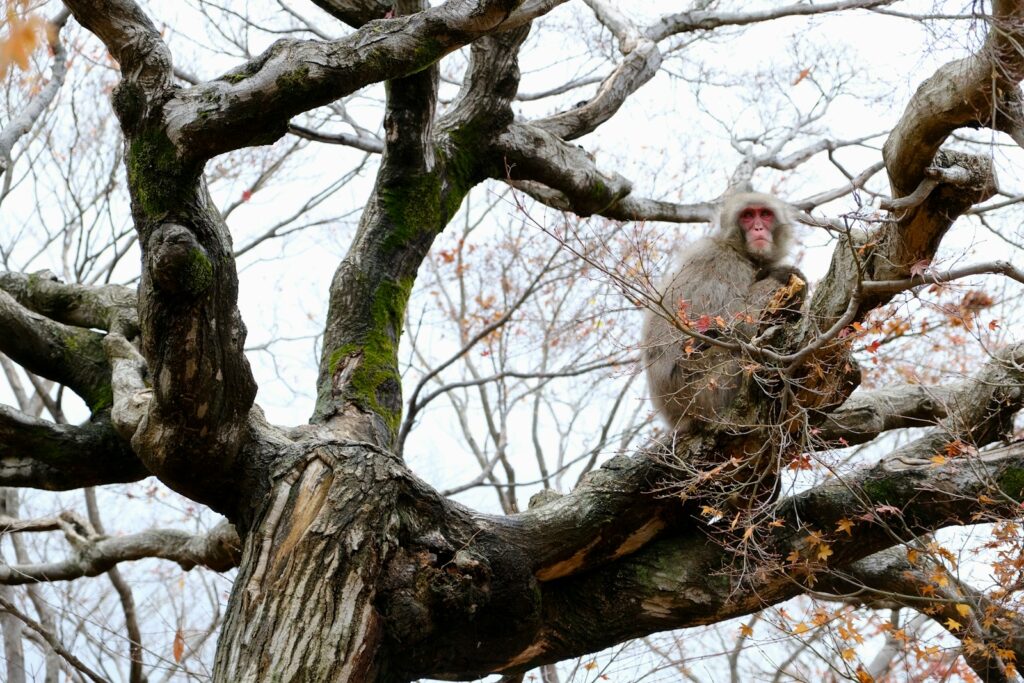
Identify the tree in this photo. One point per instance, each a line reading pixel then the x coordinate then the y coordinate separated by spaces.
pixel 351 568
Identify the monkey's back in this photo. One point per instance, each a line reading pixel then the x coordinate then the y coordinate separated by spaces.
pixel 713 278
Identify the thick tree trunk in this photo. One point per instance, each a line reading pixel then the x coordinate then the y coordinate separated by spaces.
pixel 307 582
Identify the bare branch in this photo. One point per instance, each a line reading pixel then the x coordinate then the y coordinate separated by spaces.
pixel 105 307
pixel 55 457
pixel 51 640
pixel 347 139
pixel 856 183
pixel 533 153
pixel 706 20
pixel 959 94
pixel 66 354
pixel 931 278
pixel 219 550
pixel 256 100
pixel 558 90
pixel 22 122
pixel 639 66
pixel 629 208
pixel 865 415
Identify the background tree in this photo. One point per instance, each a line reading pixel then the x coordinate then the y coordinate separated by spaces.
pixel 520 309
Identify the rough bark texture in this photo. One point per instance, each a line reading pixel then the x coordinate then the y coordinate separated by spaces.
pixel 310 571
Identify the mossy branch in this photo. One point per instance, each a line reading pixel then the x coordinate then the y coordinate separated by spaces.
pixel 66 354
pixel 56 457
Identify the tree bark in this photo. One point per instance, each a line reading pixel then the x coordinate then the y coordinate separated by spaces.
pixel 302 605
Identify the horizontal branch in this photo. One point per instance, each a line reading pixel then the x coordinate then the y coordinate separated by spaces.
pixel 558 90
pixel 706 20
pixel 58 457
pixel 794 159
pixel 532 153
pixel 113 308
pixel 629 208
pixel 253 103
pixel 67 354
pixel 685 580
pixel 219 550
pixel 941 277
pixel 868 414
pixel 855 183
pixel 366 144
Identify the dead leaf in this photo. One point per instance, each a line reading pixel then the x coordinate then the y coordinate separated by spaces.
pixel 179 646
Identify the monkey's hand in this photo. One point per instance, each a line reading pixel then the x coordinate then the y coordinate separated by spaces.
pixel 780 274
pixel 782 302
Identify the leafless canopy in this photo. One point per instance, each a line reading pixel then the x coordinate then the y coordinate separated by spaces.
pixel 350 567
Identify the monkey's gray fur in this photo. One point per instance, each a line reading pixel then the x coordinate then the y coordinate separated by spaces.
pixel 718 276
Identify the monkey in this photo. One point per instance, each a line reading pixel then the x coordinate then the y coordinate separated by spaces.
pixel 728 276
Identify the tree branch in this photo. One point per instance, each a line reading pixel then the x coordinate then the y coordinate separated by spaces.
pixel 219 550
pixel 22 122
pixel 891 576
pixel 629 208
pixel 51 640
pixel 45 455
pixel 533 153
pixel 70 355
pixel 706 20
pixel 113 308
pixel 357 141
pixel 685 580
pixel 355 13
pixel 958 94
pixel 895 286
pixel 868 414
pixel 253 103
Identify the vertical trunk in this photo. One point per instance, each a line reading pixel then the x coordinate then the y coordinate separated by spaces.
pixel 14 654
pixel 302 607
pixel 10 626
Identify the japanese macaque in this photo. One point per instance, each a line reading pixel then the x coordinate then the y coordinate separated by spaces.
pixel 720 284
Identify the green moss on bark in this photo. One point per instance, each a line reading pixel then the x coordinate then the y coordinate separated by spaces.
pixel 375 384
pixel 413 208
pixel 155 173
pixel 881 490
pixel 462 161
pixel 199 275
pixel 84 348
pixel 294 80
pixel 1011 482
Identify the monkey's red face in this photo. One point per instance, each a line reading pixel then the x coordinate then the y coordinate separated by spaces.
pixel 758 222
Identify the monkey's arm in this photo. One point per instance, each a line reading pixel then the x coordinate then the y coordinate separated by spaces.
pixel 778 294
pixel 779 273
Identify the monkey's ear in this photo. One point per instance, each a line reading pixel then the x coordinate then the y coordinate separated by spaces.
pixel 729 213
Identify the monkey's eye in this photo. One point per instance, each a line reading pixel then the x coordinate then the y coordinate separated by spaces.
pixel 747 214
